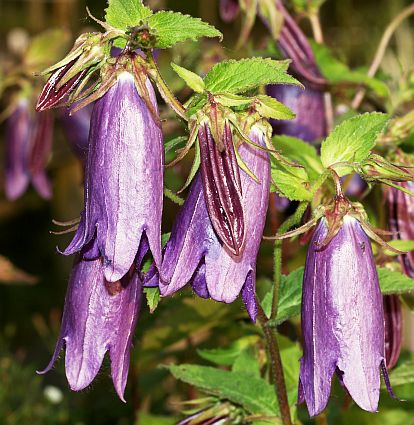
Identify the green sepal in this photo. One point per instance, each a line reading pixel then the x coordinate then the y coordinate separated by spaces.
pixel 194 81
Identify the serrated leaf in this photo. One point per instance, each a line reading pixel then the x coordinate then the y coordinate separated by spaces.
pixel 337 72
pixel 298 150
pixel 403 374
pixel 239 76
pixel 254 394
pixel 352 141
pixel 194 81
pixel 393 282
pixel 229 100
pixel 291 182
pixel 269 107
pixel 153 298
pixel 172 28
pixel 124 14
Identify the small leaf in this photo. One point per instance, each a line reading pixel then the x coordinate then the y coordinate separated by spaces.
pixel 194 81
pixel 254 394
pixel 239 76
pixel 394 282
pixel 247 362
pixel 153 298
pixel 401 245
pixel 229 100
pixel 174 143
pixel 227 356
pixel 352 141
pixel 403 374
pixel 124 14
pixel 172 28
pixel 269 107
pixel 291 182
pixel 300 151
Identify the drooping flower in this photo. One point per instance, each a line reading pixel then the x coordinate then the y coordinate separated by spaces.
pixel 342 319
pixel 124 179
pixel 229 10
pixel 195 254
pixel 401 219
pixel 99 316
pixel 393 329
pixel 28 146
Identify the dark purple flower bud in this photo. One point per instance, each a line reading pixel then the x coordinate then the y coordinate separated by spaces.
pixel 52 96
pixel 342 319
pixel 222 188
pixel 393 329
pixel 124 179
pixel 229 10
pixel 195 254
pixel 99 316
pixel 401 219
pixel 40 150
pixel 18 130
pixel 76 129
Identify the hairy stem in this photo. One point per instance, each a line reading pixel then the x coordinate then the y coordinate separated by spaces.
pixel 276 367
pixel 382 47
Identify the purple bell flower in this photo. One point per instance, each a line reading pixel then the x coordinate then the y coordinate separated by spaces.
pixel 229 10
pixel 195 254
pixel 28 146
pixel 99 316
pixel 393 329
pixel 401 219
pixel 342 319
pixel 124 180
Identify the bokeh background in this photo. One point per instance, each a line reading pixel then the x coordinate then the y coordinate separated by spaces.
pixel 30 313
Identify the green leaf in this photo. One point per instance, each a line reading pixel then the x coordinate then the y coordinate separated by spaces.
pixel 337 72
pixel 230 100
pixel 227 356
pixel 194 81
pixel 401 245
pixel 269 107
pixel 303 153
pixel 254 394
pixel 124 14
pixel 403 374
pixel 291 182
pixel 174 143
pixel 239 76
pixel 247 362
pixel 153 298
pixel 352 141
pixel 394 282
pixel 172 28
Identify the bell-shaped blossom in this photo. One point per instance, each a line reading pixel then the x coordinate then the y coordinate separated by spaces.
pixel 393 329
pixel 342 319
pixel 229 10
pixel 124 179
pixel 99 316
pixel 28 146
pixel 195 254
pixel 401 221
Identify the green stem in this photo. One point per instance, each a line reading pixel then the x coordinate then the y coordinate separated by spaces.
pixel 275 366
pixel 163 88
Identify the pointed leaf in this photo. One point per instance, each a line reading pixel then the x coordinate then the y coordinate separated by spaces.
pixel 153 298
pixel 239 76
pixel 124 14
pixel 194 81
pixel 352 141
pixel 172 28
pixel 269 107
pixel 394 282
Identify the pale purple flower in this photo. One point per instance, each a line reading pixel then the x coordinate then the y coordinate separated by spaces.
pixel 229 10
pixel 99 316
pixel 342 319
pixel 124 180
pixel 195 254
